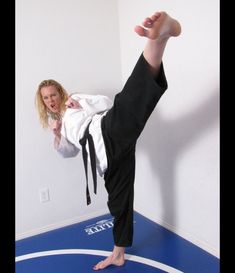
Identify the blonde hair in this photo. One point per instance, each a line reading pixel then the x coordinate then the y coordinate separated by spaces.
pixel 43 111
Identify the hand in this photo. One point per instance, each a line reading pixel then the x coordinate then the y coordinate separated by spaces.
pixel 56 127
pixel 71 103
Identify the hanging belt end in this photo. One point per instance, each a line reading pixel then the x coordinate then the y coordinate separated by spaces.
pixel 88 200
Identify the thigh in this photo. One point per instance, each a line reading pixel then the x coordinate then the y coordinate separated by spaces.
pixel 132 107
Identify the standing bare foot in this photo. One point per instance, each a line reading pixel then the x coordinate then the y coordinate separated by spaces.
pixel 160 24
pixel 116 258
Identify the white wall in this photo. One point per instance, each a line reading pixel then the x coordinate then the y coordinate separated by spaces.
pixel 177 178
pixel 177 174
pixel 76 43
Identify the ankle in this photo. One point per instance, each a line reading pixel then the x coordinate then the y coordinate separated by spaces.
pixel 118 252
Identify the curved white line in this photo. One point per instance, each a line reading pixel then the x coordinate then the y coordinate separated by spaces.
pixel 129 257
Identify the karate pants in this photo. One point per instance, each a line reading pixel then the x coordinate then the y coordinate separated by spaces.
pixel 121 127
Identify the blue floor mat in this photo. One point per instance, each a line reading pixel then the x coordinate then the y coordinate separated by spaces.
pixel 77 248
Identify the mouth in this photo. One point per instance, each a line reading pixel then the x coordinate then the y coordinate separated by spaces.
pixel 53 107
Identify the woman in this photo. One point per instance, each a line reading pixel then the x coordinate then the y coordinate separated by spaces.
pixel 114 130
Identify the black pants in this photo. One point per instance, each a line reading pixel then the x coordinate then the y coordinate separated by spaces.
pixel 121 128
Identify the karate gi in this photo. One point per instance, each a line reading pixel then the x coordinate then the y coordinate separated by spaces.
pixel 115 132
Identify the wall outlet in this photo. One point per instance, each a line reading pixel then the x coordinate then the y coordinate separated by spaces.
pixel 44 195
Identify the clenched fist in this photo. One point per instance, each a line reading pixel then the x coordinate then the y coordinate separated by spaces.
pixel 56 127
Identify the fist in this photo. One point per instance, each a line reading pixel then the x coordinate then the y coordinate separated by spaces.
pixel 56 127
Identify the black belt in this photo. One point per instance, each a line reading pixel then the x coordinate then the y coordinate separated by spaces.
pixel 83 141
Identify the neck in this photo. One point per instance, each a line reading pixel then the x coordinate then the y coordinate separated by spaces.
pixel 55 116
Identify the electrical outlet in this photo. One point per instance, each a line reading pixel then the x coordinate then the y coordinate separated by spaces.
pixel 44 195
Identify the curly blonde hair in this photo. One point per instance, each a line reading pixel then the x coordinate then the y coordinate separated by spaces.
pixel 43 111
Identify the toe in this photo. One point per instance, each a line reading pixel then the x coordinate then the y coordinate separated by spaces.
pixel 148 22
pixel 157 14
pixel 154 18
pixel 141 31
pixel 97 266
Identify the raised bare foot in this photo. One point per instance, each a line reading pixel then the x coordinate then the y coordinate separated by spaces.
pixel 159 25
pixel 117 259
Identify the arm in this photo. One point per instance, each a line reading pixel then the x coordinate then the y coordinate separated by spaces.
pixel 65 148
pixel 93 103
pixel 62 145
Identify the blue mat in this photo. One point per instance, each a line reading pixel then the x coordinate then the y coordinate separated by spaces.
pixel 77 248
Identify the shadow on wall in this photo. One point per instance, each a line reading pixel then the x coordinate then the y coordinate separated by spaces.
pixel 170 140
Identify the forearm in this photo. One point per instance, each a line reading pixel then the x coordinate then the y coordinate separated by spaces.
pixel 57 140
pixel 65 148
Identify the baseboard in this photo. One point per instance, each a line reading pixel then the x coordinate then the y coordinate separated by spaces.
pixel 60 224
pixel 204 245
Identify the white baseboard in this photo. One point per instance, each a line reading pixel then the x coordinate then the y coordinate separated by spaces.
pixel 61 224
pixel 204 245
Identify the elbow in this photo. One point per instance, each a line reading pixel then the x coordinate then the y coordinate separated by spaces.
pixel 69 154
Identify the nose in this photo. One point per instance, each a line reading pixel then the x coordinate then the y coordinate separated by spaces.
pixel 51 98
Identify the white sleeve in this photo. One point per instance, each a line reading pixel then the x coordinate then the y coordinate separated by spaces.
pixel 66 149
pixel 95 103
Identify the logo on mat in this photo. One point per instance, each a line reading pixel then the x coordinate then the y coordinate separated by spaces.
pixel 99 226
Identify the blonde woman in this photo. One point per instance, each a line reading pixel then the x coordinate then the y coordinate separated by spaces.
pixel 107 133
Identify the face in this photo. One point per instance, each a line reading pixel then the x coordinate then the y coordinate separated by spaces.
pixel 71 103
pixel 51 97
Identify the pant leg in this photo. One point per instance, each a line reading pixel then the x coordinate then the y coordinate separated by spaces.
pixel 133 105
pixel 121 128
pixel 119 183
